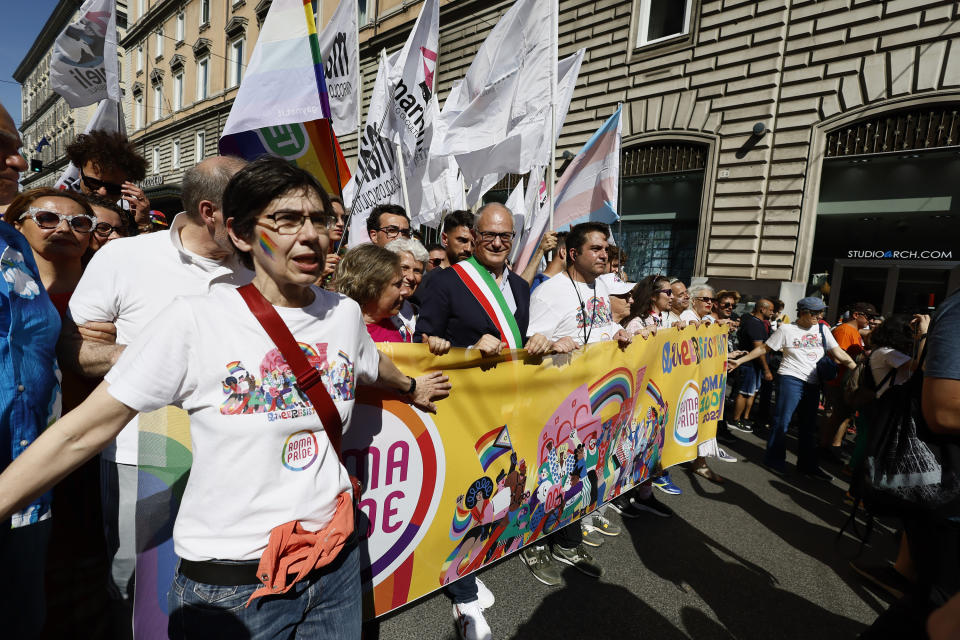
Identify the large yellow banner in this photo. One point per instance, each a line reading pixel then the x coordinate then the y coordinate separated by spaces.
pixel 522 447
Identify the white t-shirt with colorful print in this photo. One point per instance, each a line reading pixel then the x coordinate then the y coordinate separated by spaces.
pixel 260 455
pixel 556 312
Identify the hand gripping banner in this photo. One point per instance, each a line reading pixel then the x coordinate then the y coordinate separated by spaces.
pixel 522 447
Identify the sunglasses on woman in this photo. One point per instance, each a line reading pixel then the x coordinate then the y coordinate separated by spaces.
pixel 706 299
pixel 46 219
pixel 667 292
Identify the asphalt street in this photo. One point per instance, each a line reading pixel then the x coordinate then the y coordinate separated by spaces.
pixel 755 557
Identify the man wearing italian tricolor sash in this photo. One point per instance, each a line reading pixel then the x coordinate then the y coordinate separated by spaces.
pixel 479 303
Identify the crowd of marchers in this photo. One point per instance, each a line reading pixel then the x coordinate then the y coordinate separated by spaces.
pixel 111 311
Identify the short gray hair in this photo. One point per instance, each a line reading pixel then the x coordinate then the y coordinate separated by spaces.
pixel 697 290
pixel 408 245
pixel 207 181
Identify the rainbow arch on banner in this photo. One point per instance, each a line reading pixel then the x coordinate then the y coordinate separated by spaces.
pixel 616 386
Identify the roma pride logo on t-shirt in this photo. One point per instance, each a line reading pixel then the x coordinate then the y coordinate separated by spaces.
pixel 299 451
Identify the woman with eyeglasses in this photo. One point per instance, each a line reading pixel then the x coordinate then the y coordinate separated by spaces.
pixel 652 299
pixel 266 517
pixel 59 226
pixel 112 222
pixel 336 241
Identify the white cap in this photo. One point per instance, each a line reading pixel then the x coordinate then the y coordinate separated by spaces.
pixel 616 286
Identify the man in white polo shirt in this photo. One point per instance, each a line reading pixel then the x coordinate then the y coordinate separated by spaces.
pixel 128 283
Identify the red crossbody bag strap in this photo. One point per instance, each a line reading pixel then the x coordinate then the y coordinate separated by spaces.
pixel 308 378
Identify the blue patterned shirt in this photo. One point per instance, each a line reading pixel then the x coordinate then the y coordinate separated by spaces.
pixel 29 376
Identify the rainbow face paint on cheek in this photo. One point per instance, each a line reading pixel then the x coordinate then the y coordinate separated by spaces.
pixel 267 245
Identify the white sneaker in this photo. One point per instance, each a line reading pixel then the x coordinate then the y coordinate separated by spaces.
pixel 724 456
pixel 484 595
pixel 471 625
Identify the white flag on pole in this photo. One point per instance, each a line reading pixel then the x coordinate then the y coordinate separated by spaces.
pixel 377 178
pixel 519 210
pixel 411 87
pixel 498 122
pixel 536 131
pixel 338 47
pixel 442 191
pixel 538 216
pixel 83 63
pixel 108 117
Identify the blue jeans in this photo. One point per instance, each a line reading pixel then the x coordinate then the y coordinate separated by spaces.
pixel 326 604
pixel 794 395
pixel 463 590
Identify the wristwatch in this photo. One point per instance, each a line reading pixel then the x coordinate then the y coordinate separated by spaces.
pixel 413 386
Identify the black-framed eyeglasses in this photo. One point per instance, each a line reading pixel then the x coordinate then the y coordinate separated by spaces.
pixel 105 229
pixel 392 231
pixel 95 184
pixel 706 299
pixel 506 237
pixel 289 223
pixel 668 292
pixel 46 219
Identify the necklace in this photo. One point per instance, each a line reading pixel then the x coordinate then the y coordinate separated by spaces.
pixel 583 308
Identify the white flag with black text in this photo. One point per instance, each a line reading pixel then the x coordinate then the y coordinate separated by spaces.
pixel 338 48
pixel 83 62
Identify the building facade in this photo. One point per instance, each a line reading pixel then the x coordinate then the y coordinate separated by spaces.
pixel 44 115
pixel 771 146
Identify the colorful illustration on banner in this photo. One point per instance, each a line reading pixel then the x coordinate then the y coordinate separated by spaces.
pixel 589 450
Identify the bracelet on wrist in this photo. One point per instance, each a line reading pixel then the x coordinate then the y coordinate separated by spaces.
pixel 413 386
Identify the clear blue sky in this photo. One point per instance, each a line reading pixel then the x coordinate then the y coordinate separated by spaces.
pixel 20 26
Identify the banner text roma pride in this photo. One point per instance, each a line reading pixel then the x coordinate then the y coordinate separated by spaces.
pixel 522 447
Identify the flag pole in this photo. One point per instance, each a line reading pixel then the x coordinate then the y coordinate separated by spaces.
pixel 403 178
pixel 555 36
pixel 318 76
pixel 620 196
pixel 359 82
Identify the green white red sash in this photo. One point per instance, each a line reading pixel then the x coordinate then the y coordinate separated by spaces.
pixel 487 292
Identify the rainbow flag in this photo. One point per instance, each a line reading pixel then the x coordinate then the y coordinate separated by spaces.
pixel 282 106
pixel 492 445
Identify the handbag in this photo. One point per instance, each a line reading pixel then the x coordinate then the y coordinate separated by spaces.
pixel 827 369
pixel 308 378
pixel 908 468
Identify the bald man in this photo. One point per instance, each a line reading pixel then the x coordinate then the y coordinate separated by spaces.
pixel 127 283
pixel 458 313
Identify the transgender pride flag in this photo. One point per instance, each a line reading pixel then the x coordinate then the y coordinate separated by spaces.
pixel 587 190
pixel 282 107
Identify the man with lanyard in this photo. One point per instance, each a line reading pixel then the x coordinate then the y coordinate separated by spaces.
pixel 573 309
pixel 478 303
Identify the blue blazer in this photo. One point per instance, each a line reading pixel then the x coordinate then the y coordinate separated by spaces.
pixel 450 311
